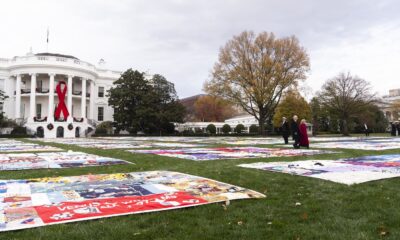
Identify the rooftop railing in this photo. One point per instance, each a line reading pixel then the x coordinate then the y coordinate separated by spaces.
pixel 57 60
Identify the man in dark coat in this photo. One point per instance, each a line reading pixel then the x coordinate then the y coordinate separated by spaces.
pixel 393 129
pixel 285 130
pixel 366 130
pixel 295 132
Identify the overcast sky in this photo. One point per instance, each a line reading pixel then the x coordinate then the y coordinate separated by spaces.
pixel 180 39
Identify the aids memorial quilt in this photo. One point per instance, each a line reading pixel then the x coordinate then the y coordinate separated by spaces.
pixel 174 145
pixel 202 154
pixel 254 141
pixel 7 145
pixel 98 143
pixel 45 201
pixel 204 140
pixel 119 143
pixel 21 161
pixel 374 145
pixel 346 171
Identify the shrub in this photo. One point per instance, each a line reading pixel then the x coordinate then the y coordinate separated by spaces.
pixel 104 128
pixel 5 122
pixel 254 129
pixel 239 128
pixel 198 130
pixel 19 131
pixel 226 128
pixel 211 129
pixel 188 132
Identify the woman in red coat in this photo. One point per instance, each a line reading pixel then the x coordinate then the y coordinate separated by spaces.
pixel 303 134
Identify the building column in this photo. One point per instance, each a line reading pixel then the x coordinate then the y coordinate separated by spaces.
pixel 69 101
pixel 32 98
pixel 50 111
pixel 18 97
pixel 83 99
pixel 91 101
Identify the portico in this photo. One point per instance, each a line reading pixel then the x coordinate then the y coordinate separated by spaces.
pixel 76 96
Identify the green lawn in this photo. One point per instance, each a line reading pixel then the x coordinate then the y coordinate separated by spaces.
pixel 328 210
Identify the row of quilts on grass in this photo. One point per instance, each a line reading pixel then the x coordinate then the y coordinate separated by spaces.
pixel 204 154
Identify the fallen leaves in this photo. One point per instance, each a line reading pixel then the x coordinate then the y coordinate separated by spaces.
pixel 383 231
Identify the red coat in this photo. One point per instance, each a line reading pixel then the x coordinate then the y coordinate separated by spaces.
pixel 303 135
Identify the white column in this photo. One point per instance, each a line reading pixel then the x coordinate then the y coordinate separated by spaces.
pixel 83 98
pixel 50 111
pixel 32 100
pixel 91 101
pixel 18 97
pixel 69 101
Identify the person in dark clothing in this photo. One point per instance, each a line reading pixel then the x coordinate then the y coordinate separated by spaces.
pixel 285 130
pixel 295 132
pixel 397 128
pixel 393 129
pixel 366 129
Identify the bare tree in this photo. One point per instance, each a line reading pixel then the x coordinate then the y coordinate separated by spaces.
pixel 253 71
pixel 346 96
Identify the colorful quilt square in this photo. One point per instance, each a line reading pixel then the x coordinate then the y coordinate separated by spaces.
pixel 45 201
pixel 346 171
pixel 20 161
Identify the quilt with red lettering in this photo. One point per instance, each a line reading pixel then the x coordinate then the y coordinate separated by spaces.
pixel 38 202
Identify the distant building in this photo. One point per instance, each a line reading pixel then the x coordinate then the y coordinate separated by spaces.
pixel 189 106
pixel 387 101
pixel 246 120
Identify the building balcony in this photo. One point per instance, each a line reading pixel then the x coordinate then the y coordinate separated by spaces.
pixel 45 91
pixel 39 119
pixel 42 90
pixel 76 93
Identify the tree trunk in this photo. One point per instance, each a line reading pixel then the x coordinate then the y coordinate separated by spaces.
pixel 262 127
pixel 261 123
pixel 315 127
pixel 345 128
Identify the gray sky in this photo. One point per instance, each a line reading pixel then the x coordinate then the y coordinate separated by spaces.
pixel 180 39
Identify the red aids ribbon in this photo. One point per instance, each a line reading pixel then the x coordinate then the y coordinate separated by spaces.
pixel 61 107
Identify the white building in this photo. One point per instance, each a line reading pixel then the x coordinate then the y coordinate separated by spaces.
pixel 387 101
pixel 36 83
pixel 246 120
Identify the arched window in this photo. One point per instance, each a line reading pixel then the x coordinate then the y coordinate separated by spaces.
pixel 60 132
pixel 40 132
pixel 77 132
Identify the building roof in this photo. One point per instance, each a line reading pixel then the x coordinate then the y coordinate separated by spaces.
pixel 191 99
pixel 56 55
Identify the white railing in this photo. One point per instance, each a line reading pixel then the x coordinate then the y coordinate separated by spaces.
pixel 57 60
pixel 54 59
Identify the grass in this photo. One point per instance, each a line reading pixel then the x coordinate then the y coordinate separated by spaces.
pixel 328 210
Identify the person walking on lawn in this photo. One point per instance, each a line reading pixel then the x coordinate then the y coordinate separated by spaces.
pixel 285 130
pixel 303 134
pixel 295 132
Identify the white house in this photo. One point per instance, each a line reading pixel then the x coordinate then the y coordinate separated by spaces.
pixel 56 95
pixel 387 101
